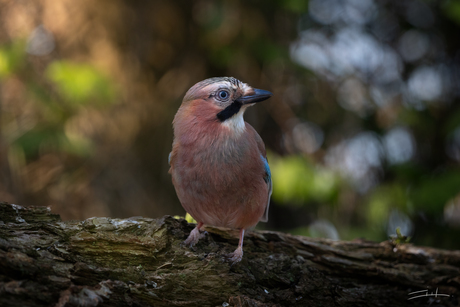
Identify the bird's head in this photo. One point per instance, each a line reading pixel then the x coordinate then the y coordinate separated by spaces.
pixel 223 99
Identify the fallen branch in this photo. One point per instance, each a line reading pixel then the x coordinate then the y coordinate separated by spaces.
pixel 140 262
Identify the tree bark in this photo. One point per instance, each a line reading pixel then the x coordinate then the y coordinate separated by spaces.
pixel 140 262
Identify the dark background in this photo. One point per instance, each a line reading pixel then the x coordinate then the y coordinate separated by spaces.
pixel 363 130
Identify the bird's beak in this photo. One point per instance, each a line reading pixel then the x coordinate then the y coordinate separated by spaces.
pixel 256 96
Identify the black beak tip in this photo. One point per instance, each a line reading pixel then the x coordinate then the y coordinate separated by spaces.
pixel 258 96
pixel 263 93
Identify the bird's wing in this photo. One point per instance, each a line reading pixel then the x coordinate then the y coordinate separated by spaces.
pixel 171 159
pixel 268 180
pixel 267 174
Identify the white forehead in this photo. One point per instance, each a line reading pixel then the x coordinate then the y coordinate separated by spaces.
pixel 244 87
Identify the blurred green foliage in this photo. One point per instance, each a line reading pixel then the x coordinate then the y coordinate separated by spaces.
pixel 81 83
pixel 452 10
pixel 381 201
pixel 45 139
pixel 296 6
pixel 77 85
pixel 86 128
pixel 433 192
pixel 298 181
pixel 12 57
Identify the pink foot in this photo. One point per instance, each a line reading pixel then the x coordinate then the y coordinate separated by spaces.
pixel 194 236
pixel 236 256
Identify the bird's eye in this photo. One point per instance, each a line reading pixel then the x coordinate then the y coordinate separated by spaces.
pixel 223 95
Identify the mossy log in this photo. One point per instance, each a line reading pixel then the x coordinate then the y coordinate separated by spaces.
pixel 140 262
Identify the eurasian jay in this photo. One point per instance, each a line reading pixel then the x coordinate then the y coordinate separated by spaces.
pixel 218 161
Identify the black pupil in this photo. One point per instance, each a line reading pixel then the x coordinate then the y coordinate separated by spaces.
pixel 223 94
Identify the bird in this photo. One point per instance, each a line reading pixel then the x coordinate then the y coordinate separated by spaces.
pixel 218 161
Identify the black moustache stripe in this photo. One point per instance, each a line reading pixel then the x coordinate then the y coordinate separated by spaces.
pixel 229 111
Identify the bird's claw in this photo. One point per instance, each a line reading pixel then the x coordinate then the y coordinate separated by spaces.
pixel 236 256
pixel 194 237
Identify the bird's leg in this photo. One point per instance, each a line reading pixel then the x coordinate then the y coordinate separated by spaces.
pixel 194 235
pixel 237 255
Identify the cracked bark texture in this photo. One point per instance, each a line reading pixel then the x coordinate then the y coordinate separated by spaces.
pixel 140 262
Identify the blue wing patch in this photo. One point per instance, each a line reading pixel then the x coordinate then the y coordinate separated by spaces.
pixel 268 174
pixel 268 180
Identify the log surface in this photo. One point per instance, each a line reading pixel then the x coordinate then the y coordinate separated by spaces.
pixel 140 262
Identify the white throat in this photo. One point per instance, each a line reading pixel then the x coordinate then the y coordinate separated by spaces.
pixel 236 122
